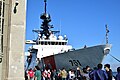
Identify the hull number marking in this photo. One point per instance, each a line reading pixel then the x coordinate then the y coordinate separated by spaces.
pixel 75 62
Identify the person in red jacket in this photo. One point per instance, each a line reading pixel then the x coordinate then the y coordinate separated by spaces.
pixel 30 74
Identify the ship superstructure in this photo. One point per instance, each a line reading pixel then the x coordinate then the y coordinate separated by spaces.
pixel 47 42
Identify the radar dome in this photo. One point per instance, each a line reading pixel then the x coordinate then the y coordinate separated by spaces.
pixel 60 37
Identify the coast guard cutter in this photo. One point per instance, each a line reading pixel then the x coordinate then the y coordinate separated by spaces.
pixel 52 51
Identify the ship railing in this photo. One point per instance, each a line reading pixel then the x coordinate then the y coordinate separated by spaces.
pixel 52 40
pixel 47 42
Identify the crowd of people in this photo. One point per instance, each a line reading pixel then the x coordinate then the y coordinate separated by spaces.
pixel 79 74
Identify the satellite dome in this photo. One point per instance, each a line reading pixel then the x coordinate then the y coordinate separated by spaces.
pixel 60 37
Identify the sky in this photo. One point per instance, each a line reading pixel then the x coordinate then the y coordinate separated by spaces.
pixel 83 21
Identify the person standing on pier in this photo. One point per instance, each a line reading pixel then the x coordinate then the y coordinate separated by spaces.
pixel 63 74
pixel 118 74
pixel 30 74
pixel 108 71
pixel 100 74
pixel 78 74
pixel 37 73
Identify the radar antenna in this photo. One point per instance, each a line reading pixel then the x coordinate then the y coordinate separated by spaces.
pixel 107 31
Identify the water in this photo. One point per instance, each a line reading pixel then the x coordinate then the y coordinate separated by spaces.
pixel 114 73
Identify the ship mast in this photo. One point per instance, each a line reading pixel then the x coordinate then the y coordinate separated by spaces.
pixel 107 31
pixel 45 5
pixel 45 26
